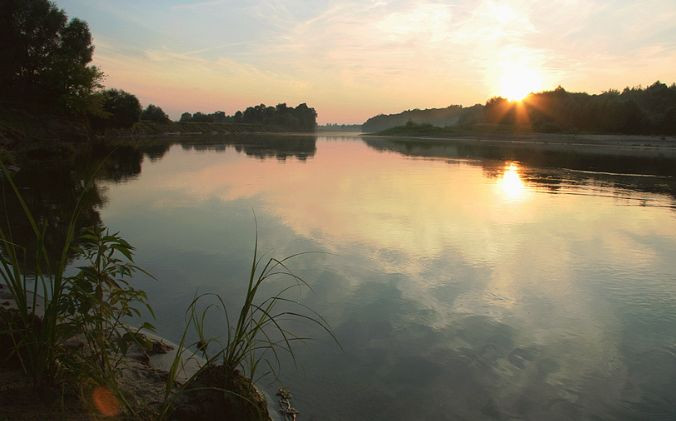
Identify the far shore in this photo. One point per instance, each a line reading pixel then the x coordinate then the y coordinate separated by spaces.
pixel 642 145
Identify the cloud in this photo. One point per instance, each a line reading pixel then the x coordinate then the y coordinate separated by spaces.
pixel 352 59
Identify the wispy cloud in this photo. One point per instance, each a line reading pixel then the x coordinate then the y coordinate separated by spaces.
pixel 352 59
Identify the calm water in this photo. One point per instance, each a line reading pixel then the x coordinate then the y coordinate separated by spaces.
pixel 462 282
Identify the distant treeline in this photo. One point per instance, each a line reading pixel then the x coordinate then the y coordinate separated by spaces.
pixel 282 116
pixel 650 110
pixel 633 111
pixel 333 127
pixel 442 117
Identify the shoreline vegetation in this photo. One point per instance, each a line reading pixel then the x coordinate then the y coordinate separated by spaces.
pixel 635 111
pixel 66 345
pixel 659 145
pixel 66 350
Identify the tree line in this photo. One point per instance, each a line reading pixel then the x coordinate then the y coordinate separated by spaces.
pixel 649 110
pixel 281 116
pixel 441 117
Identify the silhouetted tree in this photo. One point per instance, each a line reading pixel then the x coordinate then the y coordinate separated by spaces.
pixel 120 110
pixel 154 113
pixel 448 116
pixel 199 117
pixel 46 57
pixel 634 110
pixel 219 117
pixel 282 116
pixel 301 118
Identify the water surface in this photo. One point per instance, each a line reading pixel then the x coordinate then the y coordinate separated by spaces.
pixel 463 282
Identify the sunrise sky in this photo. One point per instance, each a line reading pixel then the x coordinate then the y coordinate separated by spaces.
pixel 353 59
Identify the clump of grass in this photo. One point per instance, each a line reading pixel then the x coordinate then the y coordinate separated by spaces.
pixel 53 308
pixel 255 338
pixel 100 298
pixel 37 284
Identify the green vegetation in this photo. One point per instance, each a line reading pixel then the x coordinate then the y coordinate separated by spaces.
pixel 154 113
pixel 36 338
pixel 449 116
pixel 649 111
pixel 414 129
pixel 300 118
pixel 199 117
pixel 46 58
pixel 254 339
pixel 68 330
pixel 333 127
pixel 119 109
pixel 50 91
pixel 633 111
pixel 99 297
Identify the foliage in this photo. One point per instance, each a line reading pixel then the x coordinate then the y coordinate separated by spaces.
pixel 436 116
pixel 650 110
pixel 36 282
pixel 53 308
pixel 251 341
pixel 334 127
pixel 45 57
pixel 154 113
pixel 98 299
pixel 121 110
pixel 301 117
pixel 609 112
pixel 199 117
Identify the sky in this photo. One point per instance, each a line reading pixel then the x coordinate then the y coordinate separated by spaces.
pixel 353 59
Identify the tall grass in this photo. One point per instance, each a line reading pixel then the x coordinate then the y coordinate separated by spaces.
pixel 256 337
pixel 37 285
pixel 53 307
pixel 100 298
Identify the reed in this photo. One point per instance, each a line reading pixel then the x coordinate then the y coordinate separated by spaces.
pixel 255 338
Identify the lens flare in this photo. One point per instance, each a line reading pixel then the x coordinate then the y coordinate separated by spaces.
pixel 105 402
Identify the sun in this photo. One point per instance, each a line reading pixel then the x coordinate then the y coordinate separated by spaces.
pixel 517 80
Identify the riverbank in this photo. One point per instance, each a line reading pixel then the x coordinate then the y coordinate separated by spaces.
pixel 640 145
pixel 21 129
pixel 69 349
pixel 143 374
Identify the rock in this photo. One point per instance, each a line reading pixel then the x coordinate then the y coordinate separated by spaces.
pixel 160 347
pixel 240 400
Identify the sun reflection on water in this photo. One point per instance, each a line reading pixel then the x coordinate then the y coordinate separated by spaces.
pixel 510 184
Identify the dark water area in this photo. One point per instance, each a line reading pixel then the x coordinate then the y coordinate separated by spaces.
pixel 463 281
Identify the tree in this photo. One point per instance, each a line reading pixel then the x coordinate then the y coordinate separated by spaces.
pixel 154 113
pixel 186 117
pixel 200 117
pixel 45 57
pixel 121 110
pixel 306 116
pixel 219 117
